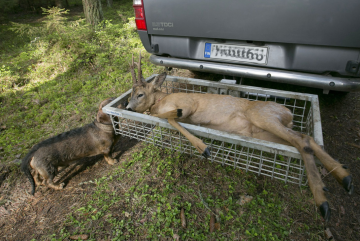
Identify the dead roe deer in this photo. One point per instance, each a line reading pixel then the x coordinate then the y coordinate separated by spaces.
pixel 264 120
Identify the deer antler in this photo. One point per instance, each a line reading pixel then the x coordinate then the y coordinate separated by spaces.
pixel 141 78
pixel 132 71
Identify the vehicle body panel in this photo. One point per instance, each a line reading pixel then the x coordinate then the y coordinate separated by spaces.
pixel 304 36
pixel 315 22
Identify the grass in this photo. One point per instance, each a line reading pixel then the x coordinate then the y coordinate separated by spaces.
pixel 48 84
pixel 142 199
pixel 54 72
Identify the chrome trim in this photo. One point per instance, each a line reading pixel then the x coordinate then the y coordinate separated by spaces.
pixel 274 75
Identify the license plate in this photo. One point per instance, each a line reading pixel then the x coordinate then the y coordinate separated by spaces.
pixel 239 53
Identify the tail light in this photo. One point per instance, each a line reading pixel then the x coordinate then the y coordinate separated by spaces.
pixel 139 14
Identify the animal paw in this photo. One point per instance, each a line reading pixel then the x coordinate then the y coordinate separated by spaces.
pixel 111 161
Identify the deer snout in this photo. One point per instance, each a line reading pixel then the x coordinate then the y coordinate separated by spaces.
pixel 128 107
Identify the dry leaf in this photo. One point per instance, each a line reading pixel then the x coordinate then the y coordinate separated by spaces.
pixel 324 172
pixel 217 226
pixel 80 236
pixel 182 218
pixel 244 199
pixel 176 237
pixel 352 144
pixel 212 223
pixel 127 214
pixel 143 220
pixel 328 234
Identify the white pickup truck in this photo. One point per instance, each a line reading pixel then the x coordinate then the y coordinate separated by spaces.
pixel 314 43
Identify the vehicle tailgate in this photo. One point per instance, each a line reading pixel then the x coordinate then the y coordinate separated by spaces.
pixel 315 22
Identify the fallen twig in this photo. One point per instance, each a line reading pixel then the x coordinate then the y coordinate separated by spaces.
pixel 329 172
pixel 352 144
pixel 328 234
pixel 212 223
pixel 182 218
pixel 80 236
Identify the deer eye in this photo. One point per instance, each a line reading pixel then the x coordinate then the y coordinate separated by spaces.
pixel 141 95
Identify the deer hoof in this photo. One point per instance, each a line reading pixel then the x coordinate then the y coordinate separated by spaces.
pixel 325 211
pixel 347 184
pixel 179 113
pixel 206 153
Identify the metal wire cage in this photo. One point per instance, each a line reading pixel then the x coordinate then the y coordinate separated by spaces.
pixel 262 157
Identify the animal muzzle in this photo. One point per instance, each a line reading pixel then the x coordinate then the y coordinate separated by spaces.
pixel 126 103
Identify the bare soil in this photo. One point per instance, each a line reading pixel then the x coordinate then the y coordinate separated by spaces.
pixel 23 216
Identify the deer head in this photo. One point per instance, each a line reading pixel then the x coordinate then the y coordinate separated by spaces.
pixel 143 95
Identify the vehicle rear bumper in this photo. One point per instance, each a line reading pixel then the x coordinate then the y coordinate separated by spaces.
pixel 274 75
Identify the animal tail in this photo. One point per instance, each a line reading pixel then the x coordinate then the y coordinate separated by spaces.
pixel 26 170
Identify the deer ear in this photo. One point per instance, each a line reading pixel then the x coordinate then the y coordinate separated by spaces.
pixel 157 82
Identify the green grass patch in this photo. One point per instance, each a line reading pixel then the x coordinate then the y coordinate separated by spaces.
pixel 55 72
pixel 142 199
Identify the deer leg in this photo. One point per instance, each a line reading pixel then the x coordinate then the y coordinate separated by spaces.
pixel 260 116
pixel 196 142
pixel 337 170
pixel 273 122
pixel 302 143
pixel 316 184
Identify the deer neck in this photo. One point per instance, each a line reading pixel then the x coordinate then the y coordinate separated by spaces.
pixel 159 96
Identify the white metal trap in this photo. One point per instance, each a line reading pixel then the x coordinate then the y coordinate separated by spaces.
pixel 262 157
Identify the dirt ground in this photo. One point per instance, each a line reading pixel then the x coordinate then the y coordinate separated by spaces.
pixel 44 213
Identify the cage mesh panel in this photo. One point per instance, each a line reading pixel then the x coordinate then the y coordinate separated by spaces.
pixel 249 159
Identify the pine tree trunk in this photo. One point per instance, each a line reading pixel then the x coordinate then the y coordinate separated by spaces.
pixel 93 11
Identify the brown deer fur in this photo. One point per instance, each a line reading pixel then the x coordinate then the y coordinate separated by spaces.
pixel 258 119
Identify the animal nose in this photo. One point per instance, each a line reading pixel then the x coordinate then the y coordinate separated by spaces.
pixel 129 109
pixel 126 103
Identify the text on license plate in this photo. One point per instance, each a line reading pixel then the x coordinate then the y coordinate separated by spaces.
pixel 236 53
